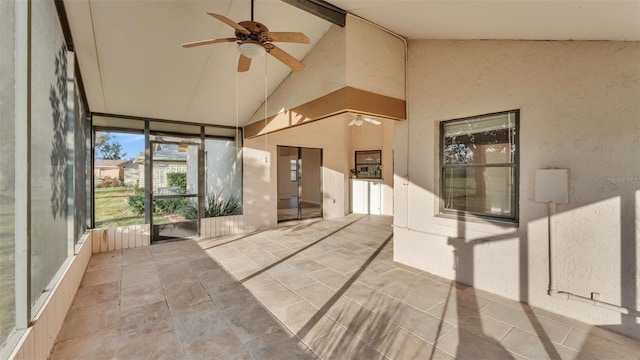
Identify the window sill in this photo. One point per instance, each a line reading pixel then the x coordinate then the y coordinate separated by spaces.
pixel 503 223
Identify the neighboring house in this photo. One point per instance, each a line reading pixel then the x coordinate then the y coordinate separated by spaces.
pixel 112 169
pixel 132 171
pixel 167 158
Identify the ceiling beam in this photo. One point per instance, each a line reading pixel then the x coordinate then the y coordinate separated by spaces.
pixel 321 9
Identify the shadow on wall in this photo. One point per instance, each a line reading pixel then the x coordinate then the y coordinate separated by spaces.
pixel 58 158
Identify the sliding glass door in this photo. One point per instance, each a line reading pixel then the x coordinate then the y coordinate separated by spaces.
pixel 299 183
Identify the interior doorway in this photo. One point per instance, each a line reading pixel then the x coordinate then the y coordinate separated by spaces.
pixel 299 183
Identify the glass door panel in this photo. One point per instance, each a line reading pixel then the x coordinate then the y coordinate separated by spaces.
pixel 310 183
pixel 299 183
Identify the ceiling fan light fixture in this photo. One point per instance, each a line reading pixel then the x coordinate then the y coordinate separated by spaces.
pixel 252 50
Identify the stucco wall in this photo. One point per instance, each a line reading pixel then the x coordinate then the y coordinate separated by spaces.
pixel 375 59
pixel 580 109
pixel 325 72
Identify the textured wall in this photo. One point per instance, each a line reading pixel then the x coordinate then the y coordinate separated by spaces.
pixel 325 72
pixel 580 109
pixel 375 59
pixel 260 170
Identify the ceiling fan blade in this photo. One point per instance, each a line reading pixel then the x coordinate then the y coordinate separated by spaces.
pixel 373 121
pixel 207 42
pixel 244 62
pixel 230 22
pixel 286 59
pixel 290 37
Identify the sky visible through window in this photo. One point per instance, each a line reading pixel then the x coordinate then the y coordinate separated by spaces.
pixel 132 144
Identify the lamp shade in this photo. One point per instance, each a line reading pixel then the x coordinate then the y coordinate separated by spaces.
pixel 252 50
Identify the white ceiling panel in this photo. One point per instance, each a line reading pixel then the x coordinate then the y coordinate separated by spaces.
pixel 511 19
pixel 132 62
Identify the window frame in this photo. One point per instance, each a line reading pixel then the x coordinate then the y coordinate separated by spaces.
pixel 515 165
pixel 357 165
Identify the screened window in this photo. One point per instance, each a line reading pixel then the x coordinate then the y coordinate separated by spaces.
pixel 479 165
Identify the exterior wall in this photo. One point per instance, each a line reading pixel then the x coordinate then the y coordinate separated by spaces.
pixel 120 238
pixel 133 173
pixel 325 72
pixel 260 170
pixel 114 173
pixel 375 59
pixel 160 171
pixel 579 104
pixel 221 226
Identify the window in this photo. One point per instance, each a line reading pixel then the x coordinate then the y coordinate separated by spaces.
pixel 294 170
pixel 369 164
pixel 479 170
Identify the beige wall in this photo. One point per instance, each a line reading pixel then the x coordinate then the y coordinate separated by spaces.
pixel 376 137
pixel 260 170
pixel 359 55
pixel 375 59
pixel 325 72
pixel 579 104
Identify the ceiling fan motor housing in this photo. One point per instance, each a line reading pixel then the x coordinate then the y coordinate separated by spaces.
pixel 257 32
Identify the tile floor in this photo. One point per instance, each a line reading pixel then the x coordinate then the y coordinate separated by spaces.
pixel 326 289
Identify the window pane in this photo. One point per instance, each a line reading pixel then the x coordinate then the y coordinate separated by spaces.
pixel 118 173
pixel 50 123
pixel 294 170
pixel 223 161
pixel 7 175
pixel 489 140
pixel 482 190
pixel 368 157
pixel 175 169
pixel 81 155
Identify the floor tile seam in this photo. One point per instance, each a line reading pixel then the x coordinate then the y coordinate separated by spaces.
pixel 511 351
pixel 514 326
pixel 173 326
pixel 434 343
pixel 566 336
pixel 541 340
pixel 363 340
pixel 542 316
pixel 399 323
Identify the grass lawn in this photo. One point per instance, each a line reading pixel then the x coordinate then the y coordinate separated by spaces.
pixel 112 209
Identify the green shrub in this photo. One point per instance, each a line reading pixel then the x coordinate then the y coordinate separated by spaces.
pixel 178 180
pixel 189 212
pixel 216 205
pixel 163 206
pixel 136 203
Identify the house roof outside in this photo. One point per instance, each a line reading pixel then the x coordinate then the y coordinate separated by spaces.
pixel 165 152
pixel 107 163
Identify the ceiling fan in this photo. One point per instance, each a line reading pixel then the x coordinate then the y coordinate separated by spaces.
pixel 359 120
pixel 254 39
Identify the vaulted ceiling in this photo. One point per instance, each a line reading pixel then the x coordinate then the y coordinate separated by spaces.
pixel 132 62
